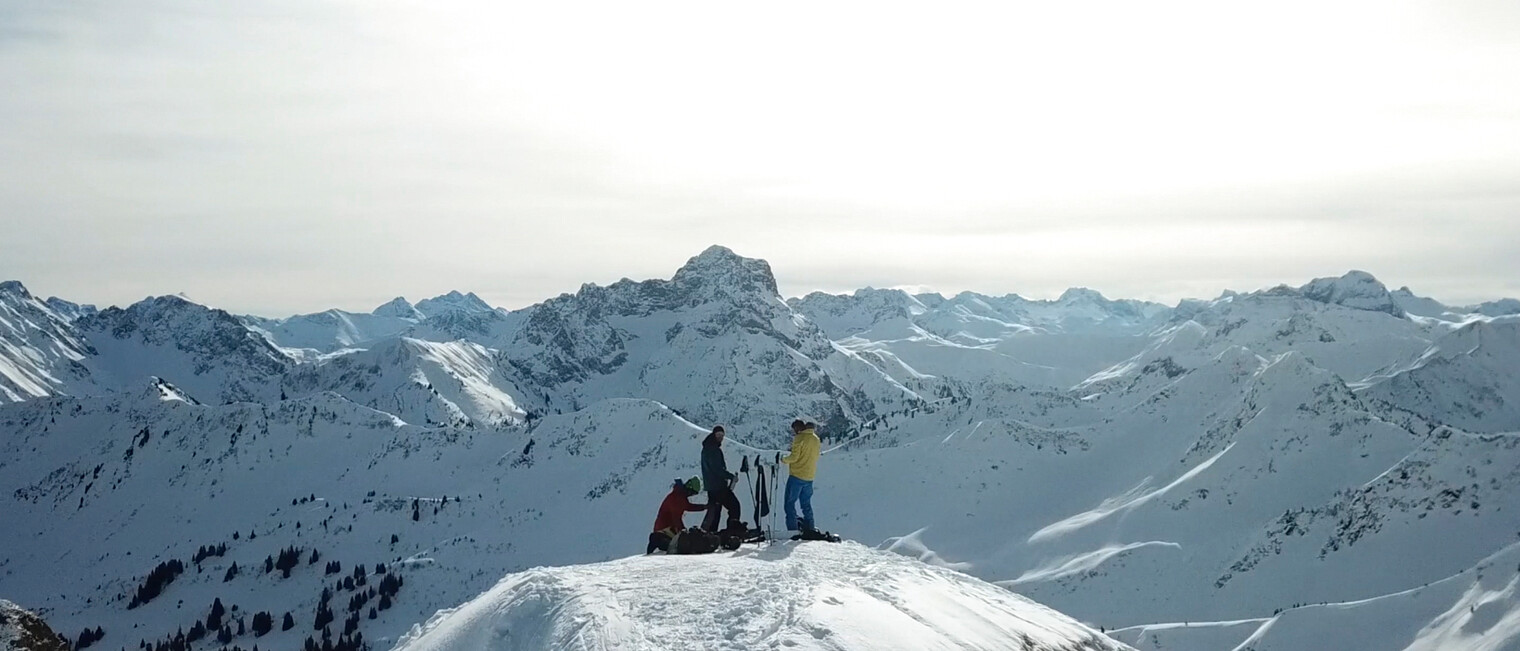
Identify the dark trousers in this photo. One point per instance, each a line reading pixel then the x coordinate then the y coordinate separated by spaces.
pixel 658 540
pixel 717 500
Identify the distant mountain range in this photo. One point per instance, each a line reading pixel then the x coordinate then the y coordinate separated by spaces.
pixel 1320 466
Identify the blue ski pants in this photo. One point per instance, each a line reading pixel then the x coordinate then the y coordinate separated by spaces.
pixel 799 490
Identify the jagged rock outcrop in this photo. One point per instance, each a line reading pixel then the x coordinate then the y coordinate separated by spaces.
pixel 21 630
pixel 205 351
pixel 715 342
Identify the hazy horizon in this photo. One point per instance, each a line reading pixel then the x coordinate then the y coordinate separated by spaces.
pixel 351 304
pixel 283 156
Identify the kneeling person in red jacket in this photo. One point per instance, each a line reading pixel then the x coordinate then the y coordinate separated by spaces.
pixel 669 522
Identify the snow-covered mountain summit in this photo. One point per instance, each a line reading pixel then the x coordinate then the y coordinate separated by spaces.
pixel 398 308
pixel 718 270
pixel 782 595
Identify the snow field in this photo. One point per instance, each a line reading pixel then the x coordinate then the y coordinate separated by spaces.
pixel 783 595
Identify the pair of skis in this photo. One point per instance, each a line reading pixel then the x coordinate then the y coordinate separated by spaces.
pixel 763 492
pixel 764 488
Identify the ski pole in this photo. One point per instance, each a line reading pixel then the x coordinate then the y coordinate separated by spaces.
pixel 757 492
pixel 744 468
pixel 775 481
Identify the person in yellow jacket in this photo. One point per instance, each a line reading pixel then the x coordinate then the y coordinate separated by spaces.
pixel 802 464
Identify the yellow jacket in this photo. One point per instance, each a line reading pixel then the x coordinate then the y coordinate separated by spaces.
pixel 803 460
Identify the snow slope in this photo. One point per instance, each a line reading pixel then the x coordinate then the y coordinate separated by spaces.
pixel 429 383
pixel 779 595
pixel 335 329
pixel 1467 378
pixel 979 338
pixel 40 353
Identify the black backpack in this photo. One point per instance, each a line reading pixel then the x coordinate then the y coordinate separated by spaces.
pixel 696 541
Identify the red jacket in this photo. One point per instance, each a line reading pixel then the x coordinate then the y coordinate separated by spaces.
pixel 676 504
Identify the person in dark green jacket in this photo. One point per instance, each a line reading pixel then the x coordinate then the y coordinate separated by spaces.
pixel 720 484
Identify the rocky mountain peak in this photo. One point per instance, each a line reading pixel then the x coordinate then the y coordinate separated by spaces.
pixel 720 267
pixel 205 350
pixel 156 389
pixel 21 630
pixel 69 310
pixel 14 288
pixel 1356 289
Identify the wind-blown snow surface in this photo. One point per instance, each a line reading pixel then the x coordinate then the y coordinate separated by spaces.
pixel 780 595
pixel 1250 471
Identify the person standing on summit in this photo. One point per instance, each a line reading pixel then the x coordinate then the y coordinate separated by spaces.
pixel 719 481
pixel 802 465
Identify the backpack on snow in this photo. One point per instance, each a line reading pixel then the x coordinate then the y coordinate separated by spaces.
pixel 695 541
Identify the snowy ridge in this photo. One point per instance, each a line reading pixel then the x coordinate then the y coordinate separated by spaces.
pixel 1466 379
pixel 781 595
pixel 1349 341
pixel 984 339
pixel 453 384
pixel 332 330
pixel 70 311
pixel 971 317
pixel 40 354
pixel 1501 307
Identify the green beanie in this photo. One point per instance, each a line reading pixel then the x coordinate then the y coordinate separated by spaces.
pixel 694 485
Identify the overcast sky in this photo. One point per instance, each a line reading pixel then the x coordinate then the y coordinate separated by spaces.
pixel 288 156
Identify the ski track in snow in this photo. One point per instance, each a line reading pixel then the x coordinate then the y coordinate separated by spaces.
pixel 1132 499
pixel 1076 564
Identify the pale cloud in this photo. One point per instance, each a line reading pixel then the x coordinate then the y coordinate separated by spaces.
pixel 285 156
